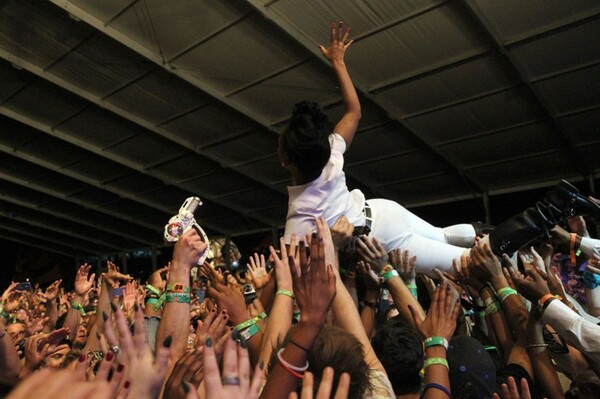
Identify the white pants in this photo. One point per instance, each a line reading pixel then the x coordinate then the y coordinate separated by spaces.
pixel 396 227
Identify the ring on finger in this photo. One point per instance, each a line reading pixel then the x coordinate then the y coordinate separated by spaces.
pixel 230 380
pixel 115 349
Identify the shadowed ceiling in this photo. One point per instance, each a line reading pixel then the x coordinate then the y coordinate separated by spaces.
pixel 113 112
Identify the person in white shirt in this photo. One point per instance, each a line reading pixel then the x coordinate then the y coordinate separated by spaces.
pixel 576 331
pixel 315 158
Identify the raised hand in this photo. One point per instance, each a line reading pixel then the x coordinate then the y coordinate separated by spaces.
pixel 464 274
pixel 341 232
pixel 372 252
pixel 49 383
pixel 510 390
pixel 188 249
pixel 129 296
pixel 84 281
pixel 441 319
pixel 212 274
pixel 487 266
pixel 325 387
pixel 158 279
pixel 404 264
pixel 531 258
pixel 230 300
pixel 35 352
pixel 189 368
pixel 370 278
pixel 34 326
pixel 13 300
pixel 258 270
pixel 52 291
pixel 145 373
pixel 282 266
pixel 235 380
pixel 113 276
pixel 314 279
pixel 215 326
pixel 339 43
pixel 532 288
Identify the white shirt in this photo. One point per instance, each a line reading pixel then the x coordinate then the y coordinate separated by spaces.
pixel 326 196
pixel 590 246
pixel 576 331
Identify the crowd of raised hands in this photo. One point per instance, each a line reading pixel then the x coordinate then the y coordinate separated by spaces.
pixel 311 319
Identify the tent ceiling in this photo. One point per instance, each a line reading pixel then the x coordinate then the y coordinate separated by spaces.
pixel 113 112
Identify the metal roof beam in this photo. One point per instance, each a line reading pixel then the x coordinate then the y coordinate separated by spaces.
pixel 82 221
pixel 473 11
pixel 55 131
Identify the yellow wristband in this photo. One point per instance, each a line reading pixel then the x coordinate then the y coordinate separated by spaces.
pixel 434 361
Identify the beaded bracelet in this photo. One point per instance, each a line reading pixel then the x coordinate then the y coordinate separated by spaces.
pixel 435 361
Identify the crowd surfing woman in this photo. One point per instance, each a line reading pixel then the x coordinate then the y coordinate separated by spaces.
pixel 315 158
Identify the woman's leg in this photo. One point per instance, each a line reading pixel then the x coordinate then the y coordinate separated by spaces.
pixel 396 227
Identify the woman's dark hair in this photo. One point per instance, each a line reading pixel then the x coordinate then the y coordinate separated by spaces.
pixel 306 139
pixel 399 348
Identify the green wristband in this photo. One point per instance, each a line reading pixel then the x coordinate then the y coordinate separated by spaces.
pixel 435 361
pixel 389 275
pixel 505 292
pixel 180 297
pixel 79 307
pixel 286 293
pixel 413 290
pixel 436 341
pixel 250 332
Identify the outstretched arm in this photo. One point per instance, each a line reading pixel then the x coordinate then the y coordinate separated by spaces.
pixel 346 127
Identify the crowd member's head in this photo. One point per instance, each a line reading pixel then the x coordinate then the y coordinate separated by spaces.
pixel 17 331
pixel 22 314
pixel 400 350
pixel 56 355
pixel 81 336
pixel 337 348
pixel 305 143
